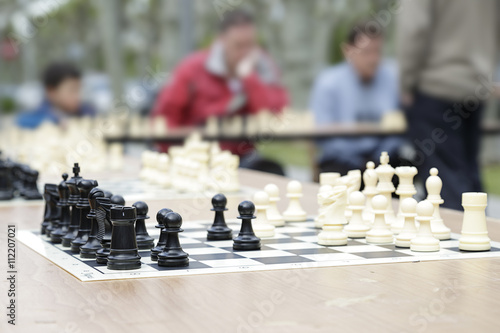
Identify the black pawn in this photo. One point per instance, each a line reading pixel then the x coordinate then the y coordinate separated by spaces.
pixel 123 254
pixel 144 241
pixel 74 196
pixel 246 240
pixel 84 186
pixel 219 229
pixel 163 240
pixel 117 200
pixel 89 249
pixel 108 194
pixel 65 218
pixel 172 255
pixel 103 212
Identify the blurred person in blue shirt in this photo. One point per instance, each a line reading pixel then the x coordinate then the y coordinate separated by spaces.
pixel 361 89
pixel 62 97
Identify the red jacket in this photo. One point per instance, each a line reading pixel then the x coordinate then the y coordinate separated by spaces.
pixel 194 94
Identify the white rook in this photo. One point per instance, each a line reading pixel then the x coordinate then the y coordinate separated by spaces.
pixel 474 232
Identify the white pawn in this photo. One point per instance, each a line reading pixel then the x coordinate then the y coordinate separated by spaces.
pixel 294 212
pixel 474 232
pixel 273 214
pixel 332 233
pixel 380 232
pixel 434 184
pixel 408 209
pixel 320 219
pixel 425 240
pixel 370 179
pixel 356 227
pixel 261 225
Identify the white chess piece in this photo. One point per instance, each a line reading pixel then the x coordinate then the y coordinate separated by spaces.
pixel 425 240
pixel 405 190
pixel 474 231
pixel 163 170
pixel 370 179
pixel 433 184
pixel 332 233
pixel 408 208
pixel 273 214
pixel 353 185
pixel 294 212
pixel 328 178
pixel 320 219
pixel 385 187
pixel 356 227
pixel 379 233
pixel 261 225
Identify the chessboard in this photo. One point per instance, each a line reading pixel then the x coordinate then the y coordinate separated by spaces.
pixel 293 247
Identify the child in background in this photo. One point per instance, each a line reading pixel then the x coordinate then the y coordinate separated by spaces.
pixel 62 97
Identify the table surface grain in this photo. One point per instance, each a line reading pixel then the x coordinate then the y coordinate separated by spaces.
pixel 458 295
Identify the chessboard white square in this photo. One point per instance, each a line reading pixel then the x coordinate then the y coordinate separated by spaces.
pixel 187 240
pixel 231 262
pixel 224 243
pixel 437 253
pixel 331 256
pixel 195 234
pixel 309 239
pixel 265 254
pixel 449 243
pixel 205 250
pixel 144 268
pixel 293 246
pixel 360 248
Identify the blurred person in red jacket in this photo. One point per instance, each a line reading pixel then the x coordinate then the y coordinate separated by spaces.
pixel 233 76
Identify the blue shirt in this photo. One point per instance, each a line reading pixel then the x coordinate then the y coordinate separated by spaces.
pixel 339 96
pixel 46 112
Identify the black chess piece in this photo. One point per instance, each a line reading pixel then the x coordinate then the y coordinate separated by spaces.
pixel 54 210
pixel 6 187
pixel 144 241
pixel 50 207
pixel 246 239
pixel 162 241
pixel 108 194
pixel 30 188
pixel 65 218
pixel 172 254
pixel 17 177
pixel 74 196
pixel 84 186
pixel 219 229
pixel 124 253
pixel 103 216
pixel 117 200
pixel 89 249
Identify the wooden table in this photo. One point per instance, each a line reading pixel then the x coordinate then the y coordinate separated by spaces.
pixel 455 295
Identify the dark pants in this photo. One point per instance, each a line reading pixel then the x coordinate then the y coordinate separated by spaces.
pixel 446 135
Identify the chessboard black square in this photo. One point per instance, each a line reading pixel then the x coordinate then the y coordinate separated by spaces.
pixel 282 260
pixel 192 265
pixel 320 250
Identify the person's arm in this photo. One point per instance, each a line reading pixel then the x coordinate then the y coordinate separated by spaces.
pixel 264 96
pixel 414 25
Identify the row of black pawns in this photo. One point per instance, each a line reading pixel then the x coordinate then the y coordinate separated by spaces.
pixel 96 224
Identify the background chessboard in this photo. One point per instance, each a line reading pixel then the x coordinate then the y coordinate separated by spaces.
pixel 136 189
pixel 293 246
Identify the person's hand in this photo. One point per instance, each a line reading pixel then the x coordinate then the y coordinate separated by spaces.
pixel 247 64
